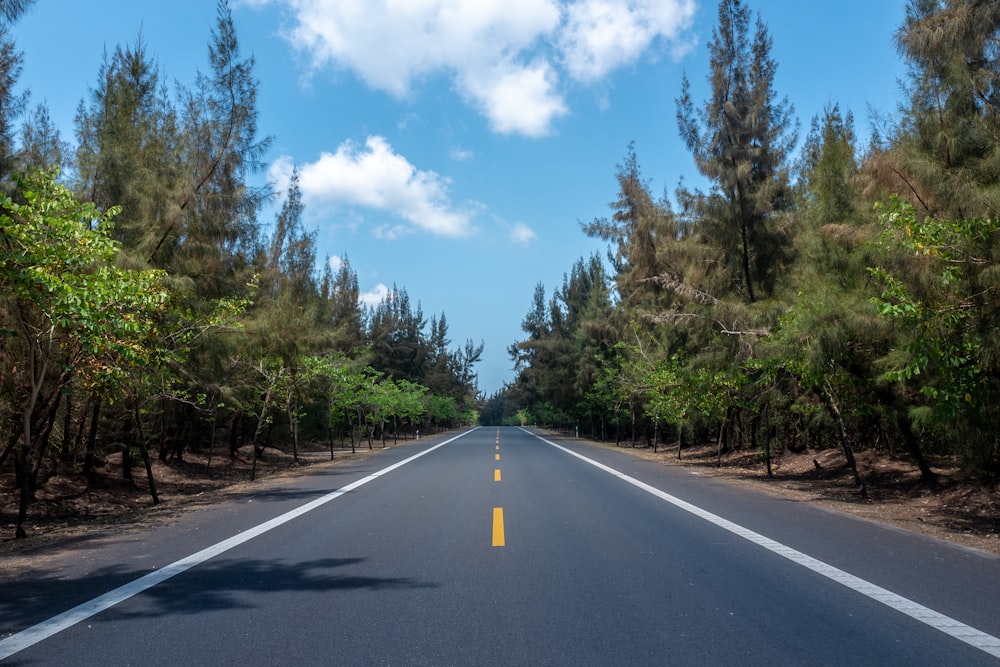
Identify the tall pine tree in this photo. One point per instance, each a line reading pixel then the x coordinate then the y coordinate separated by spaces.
pixel 740 139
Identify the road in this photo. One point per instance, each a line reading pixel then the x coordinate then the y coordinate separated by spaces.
pixel 502 547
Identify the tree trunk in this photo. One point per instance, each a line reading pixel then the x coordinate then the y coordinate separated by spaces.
pixel 235 429
pixel 145 455
pixel 927 476
pixel 67 427
pixel 27 492
pixel 164 445
pixel 845 442
pixel 43 443
pixel 767 445
pixel 722 438
pixel 91 453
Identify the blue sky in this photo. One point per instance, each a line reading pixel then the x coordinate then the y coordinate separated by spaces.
pixel 452 147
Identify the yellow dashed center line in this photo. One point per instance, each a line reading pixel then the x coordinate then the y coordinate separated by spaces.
pixel 498 539
pixel 496 475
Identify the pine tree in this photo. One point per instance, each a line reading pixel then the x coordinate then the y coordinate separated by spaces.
pixel 636 228
pixel 126 154
pixel 340 294
pixel 396 335
pixel 951 128
pixel 215 237
pixel 740 139
pixel 42 145
pixel 11 104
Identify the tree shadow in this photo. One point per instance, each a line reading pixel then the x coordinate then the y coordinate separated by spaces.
pixel 233 583
pixel 217 584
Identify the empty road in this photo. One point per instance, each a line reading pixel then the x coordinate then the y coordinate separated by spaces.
pixel 504 547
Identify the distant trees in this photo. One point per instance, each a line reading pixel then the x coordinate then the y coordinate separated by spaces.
pixel 844 299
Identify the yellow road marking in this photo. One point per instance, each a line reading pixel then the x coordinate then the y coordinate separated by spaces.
pixel 497 457
pixel 498 447
pixel 498 539
pixel 496 475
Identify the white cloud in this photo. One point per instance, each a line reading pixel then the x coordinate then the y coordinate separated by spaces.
pixel 376 177
pixel 461 154
pixel 510 59
pixel 522 233
pixel 374 296
pixel 335 263
pixel 516 99
pixel 599 36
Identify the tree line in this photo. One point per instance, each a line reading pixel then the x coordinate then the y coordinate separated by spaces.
pixel 146 305
pixel 844 295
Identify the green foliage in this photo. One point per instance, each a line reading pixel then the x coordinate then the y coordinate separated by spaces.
pixel 930 289
pixel 57 269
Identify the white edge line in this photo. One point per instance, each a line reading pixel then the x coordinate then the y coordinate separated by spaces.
pixel 966 633
pixel 36 633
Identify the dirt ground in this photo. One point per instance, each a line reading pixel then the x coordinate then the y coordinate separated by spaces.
pixel 959 509
pixel 68 505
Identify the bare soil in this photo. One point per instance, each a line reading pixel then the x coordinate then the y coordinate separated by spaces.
pixel 958 508
pixel 68 505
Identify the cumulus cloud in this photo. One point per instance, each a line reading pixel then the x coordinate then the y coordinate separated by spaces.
pixel 510 59
pixel 522 233
pixel 517 99
pixel 374 296
pixel 599 36
pixel 375 177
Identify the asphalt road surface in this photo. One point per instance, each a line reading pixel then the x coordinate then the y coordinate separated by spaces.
pixel 502 547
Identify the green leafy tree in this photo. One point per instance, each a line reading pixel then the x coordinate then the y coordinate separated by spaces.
pixel 72 311
pixel 939 297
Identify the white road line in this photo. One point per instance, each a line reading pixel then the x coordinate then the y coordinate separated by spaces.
pixel 45 629
pixel 966 633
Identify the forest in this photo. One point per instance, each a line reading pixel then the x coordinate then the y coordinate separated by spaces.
pixel 836 292
pixel 147 308
pixel 840 293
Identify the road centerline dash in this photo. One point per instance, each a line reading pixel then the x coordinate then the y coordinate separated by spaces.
pixel 498 533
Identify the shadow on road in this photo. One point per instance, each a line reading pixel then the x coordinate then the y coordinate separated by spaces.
pixel 214 585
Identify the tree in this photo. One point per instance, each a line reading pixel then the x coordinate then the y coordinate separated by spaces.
pixel 42 146
pixel 947 145
pixel 936 278
pixel 11 104
pixel 635 230
pixel 829 169
pixel 213 234
pixel 740 139
pixel 73 312
pixel 341 309
pixel 396 334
